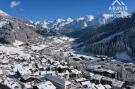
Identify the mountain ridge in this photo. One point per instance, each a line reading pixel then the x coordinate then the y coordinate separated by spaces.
pixel 81 22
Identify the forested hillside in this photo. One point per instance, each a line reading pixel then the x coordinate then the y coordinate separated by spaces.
pixel 110 39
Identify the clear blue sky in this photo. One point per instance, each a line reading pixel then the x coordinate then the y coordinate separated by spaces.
pixel 53 9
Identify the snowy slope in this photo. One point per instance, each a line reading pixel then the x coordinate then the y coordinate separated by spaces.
pixel 3 13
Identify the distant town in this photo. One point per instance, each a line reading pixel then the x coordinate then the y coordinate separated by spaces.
pixel 55 65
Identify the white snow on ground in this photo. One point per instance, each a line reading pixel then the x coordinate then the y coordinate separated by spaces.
pixel 57 40
pixel 38 47
pixel 2 23
pixel 61 39
pixel 123 56
pixel 23 70
pixel 30 25
pixel 100 86
pixel 64 38
pixel 14 50
pixel 17 43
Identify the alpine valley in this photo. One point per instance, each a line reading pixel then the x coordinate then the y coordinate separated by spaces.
pixel 89 52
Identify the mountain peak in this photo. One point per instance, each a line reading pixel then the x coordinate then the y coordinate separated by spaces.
pixel 3 13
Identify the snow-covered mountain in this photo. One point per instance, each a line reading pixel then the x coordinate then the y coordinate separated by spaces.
pixel 69 23
pixel 2 13
pixel 107 18
pixel 79 23
pixel 12 28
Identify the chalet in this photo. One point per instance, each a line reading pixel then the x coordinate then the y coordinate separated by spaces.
pixel 64 74
pixel 79 80
pixel 86 84
pixel 102 71
pixel 4 62
pixel 75 73
pixel 83 58
pixel 13 84
pixel 76 59
pixel 87 74
pixel 107 87
pixel 106 80
pixel 59 83
pixel 29 78
pixel 116 84
pixel 100 86
pixel 45 85
pixel 96 79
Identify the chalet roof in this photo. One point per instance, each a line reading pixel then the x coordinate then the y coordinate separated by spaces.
pixel 46 85
pixel 26 76
pixel 86 83
pixel 81 79
pixel 103 70
pixel 75 71
pixel 97 77
pixel 107 86
pixel 57 80
pixel 107 79
pixel 117 83
pixel 100 86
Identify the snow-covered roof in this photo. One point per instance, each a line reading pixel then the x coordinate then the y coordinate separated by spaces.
pixel 26 76
pixel 57 80
pixel 81 79
pixel 107 86
pixel 86 83
pixel 2 23
pixel 75 71
pixel 12 83
pixel 97 77
pixel 100 86
pixel 117 83
pixel 91 74
pixel 46 85
pixel 23 70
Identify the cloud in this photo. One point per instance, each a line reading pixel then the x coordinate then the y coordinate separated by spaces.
pixel 14 4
